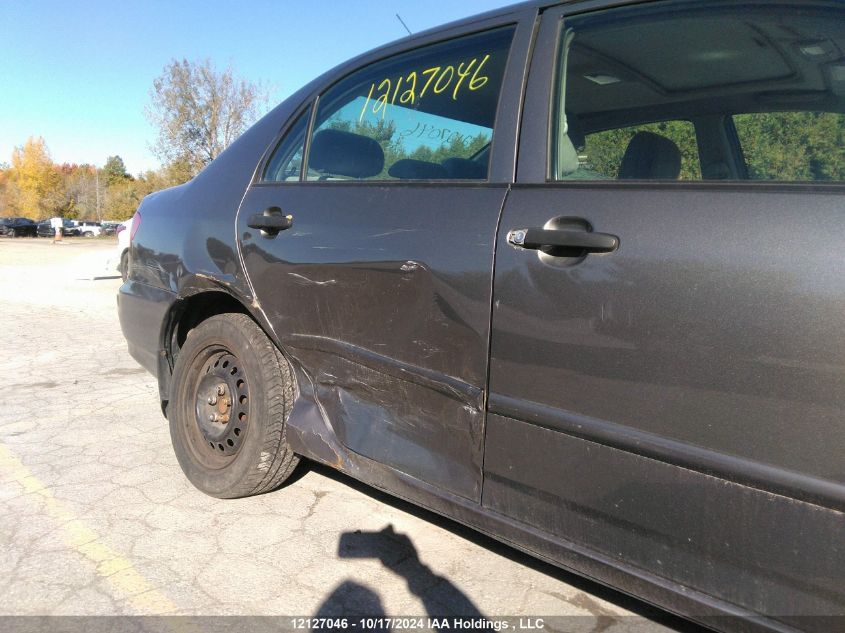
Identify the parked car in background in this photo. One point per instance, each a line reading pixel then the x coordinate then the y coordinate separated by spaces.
pixel 70 228
pixel 18 227
pixel 45 229
pixel 123 232
pixel 87 228
pixel 109 228
pixel 568 273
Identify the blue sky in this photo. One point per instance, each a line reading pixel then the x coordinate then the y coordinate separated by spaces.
pixel 79 73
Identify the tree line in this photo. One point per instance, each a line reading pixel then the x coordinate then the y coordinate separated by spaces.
pixel 35 187
pixel 197 111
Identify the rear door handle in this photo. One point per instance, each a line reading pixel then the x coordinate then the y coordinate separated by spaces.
pixel 584 240
pixel 270 222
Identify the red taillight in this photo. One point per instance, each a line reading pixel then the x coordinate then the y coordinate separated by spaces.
pixel 136 224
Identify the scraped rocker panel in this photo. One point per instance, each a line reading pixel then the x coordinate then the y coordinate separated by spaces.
pixel 762 551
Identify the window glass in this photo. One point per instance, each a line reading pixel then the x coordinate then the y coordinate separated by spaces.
pixel 793 145
pixel 655 92
pixel 603 152
pixel 286 162
pixel 424 115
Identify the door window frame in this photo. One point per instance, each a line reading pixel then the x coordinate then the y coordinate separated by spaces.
pixel 305 110
pixel 537 140
pixel 502 166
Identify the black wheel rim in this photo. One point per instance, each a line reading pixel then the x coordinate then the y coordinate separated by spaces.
pixel 220 408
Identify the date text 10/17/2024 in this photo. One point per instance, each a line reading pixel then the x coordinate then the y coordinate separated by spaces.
pixel 383 623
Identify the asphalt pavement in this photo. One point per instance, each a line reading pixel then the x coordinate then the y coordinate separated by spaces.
pixel 96 518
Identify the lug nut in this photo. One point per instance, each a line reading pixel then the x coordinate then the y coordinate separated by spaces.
pixel 212 417
pixel 212 400
pixel 221 390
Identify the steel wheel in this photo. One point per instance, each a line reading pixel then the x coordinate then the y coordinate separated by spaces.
pixel 221 408
pixel 231 394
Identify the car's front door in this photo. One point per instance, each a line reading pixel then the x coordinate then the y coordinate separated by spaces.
pixel 381 286
pixel 667 382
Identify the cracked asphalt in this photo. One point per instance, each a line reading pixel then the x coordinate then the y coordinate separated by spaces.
pixel 97 519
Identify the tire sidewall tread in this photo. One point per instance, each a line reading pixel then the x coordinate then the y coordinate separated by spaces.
pixel 264 460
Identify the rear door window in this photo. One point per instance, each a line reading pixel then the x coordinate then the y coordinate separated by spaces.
pixel 424 115
pixel 286 162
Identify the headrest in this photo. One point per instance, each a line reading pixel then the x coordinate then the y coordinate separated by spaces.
pixel 411 169
pixel 651 156
pixel 465 169
pixel 567 157
pixel 345 154
pixel 575 132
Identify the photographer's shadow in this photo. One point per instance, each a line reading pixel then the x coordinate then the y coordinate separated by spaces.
pixel 397 553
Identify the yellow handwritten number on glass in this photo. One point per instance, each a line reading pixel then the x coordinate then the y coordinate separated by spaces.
pixel 441 77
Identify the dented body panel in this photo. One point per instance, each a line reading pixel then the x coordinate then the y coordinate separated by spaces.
pixel 665 419
pixel 389 312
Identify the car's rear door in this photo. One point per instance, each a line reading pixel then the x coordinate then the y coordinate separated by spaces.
pixel 673 400
pixel 381 287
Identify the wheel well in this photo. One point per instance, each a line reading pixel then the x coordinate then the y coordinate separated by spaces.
pixel 193 310
pixel 185 315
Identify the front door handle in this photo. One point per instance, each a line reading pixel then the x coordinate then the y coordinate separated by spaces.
pixel 270 222
pixel 585 240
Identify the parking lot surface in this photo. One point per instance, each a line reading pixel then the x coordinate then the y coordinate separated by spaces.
pixel 97 519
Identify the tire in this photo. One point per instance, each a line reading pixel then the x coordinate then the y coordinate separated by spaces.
pixel 124 265
pixel 88 234
pixel 11 233
pixel 229 357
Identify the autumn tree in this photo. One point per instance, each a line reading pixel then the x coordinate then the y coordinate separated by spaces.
pixel 199 112
pixel 123 199
pixel 37 181
pixel 80 188
pixel 8 191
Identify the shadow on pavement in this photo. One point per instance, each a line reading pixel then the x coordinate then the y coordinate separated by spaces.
pixel 397 553
pixel 350 599
pixel 438 594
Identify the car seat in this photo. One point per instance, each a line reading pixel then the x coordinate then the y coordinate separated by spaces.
pixel 650 156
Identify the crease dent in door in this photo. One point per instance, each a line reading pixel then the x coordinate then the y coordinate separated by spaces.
pixel 381 399
pixel 358 392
